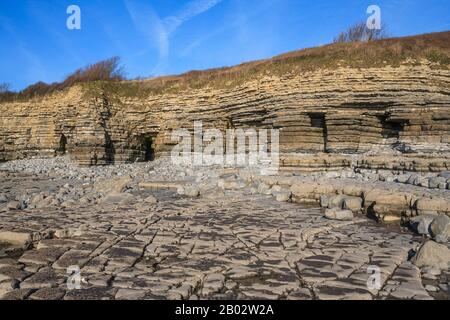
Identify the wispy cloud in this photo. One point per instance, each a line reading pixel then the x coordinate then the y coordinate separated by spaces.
pixel 238 21
pixel 189 11
pixel 158 31
pixel 148 23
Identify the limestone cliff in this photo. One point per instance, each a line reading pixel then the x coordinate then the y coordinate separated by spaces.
pixel 339 110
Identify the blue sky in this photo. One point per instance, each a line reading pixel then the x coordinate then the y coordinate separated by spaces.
pixel 157 37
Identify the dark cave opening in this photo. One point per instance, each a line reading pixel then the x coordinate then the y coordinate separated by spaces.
pixel 149 152
pixel 62 145
pixel 391 128
pixel 318 121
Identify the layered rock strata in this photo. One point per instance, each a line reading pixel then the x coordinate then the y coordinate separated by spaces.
pixel 404 109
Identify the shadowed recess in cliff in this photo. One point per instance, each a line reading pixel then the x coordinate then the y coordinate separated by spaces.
pixel 392 128
pixel 62 145
pixel 318 121
pixel 147 145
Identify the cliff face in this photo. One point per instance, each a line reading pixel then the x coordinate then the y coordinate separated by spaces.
pixel 344 110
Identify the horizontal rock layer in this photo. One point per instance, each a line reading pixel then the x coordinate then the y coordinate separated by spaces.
pixel 343 111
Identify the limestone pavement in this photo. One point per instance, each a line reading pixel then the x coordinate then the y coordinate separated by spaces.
pixel 136 236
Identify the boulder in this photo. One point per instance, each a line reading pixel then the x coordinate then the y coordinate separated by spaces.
pixel 251 191
pixel 324 201
pixel 437 182
pixel 246 175
pixel 444 174
pixel 13 205
pixel 119 184
pixel 208 187
pixel 18 238
pixel 3 198
pixel 324 188
pixel 263 188
pixel 355 190
pixel 422 182
pixel 335 201
pixel 233 184
pixel 46 202
pixel 381 202
pixel 180 190
pixel 150 199
pixel 36 199
pixel 353 204
pixel 338 214
pixel 275 189
pixel 283 196
pixel 191 191
pixel 412 178
pixel 403 178
pixel 387 197
pixel 304 190
pixel 440 228
pixel 432 254
pixel 7 286
pixel 68 203
pixel 269 180
pixel 421 224
pixel 433 206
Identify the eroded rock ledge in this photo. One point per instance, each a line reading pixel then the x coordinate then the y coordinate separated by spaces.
pixel 342 111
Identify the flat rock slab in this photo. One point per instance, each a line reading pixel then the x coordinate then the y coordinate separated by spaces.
pixel 161 185
pixel 15 238
pixel 48 294
pixel 224 246
pixel 93 293
pixel 42 256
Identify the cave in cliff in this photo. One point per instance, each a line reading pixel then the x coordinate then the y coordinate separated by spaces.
pixel 318 121
pixel 148 149
pixel 62 148
pixel 392 128
pixel 141 148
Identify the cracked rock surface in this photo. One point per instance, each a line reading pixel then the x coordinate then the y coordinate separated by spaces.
pixel 134 235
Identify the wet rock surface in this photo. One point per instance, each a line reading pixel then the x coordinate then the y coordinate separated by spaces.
pixel 158 231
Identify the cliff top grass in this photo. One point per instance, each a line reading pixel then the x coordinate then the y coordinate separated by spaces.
pixel 433 47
